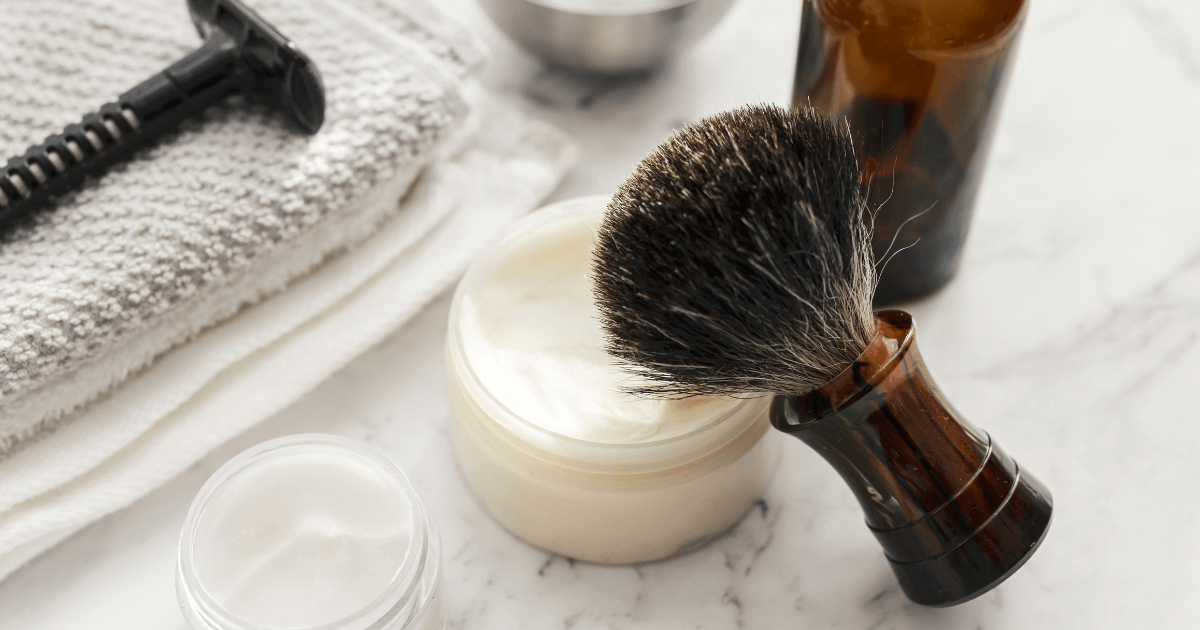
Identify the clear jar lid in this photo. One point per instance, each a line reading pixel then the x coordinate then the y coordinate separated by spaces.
pixel 308 531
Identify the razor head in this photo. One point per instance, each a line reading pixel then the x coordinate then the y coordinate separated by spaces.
pixel 287 76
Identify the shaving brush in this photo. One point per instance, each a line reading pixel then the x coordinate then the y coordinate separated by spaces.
pixel 736 260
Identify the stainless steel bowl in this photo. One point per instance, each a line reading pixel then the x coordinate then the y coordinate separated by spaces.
pixel 611 36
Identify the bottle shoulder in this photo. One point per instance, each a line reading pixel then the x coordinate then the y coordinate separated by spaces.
pixel 932 25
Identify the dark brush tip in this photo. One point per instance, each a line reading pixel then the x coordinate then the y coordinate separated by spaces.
pixel 736 258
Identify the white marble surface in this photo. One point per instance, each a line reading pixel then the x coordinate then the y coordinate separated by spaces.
pixel 1072 334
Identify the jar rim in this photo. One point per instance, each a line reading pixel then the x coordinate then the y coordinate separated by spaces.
pixel 646 8
pixel 395 599
pixel 705 434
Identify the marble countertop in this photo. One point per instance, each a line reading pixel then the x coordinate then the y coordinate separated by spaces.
pixel 1071 334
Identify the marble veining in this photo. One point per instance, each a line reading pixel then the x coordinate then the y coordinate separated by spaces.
pixel 1071 334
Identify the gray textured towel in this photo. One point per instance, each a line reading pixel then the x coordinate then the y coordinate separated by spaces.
pixel 215 217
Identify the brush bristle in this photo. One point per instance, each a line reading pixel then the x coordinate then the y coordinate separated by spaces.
pixel 736 259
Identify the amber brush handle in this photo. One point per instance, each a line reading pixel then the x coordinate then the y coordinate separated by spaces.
pixel 954 513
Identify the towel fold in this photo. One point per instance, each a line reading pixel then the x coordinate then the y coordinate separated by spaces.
pixel 280 257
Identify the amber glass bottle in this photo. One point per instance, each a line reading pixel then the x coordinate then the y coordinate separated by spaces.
pixel 921 83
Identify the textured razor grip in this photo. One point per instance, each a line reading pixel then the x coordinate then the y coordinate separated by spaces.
pixel 139 116
pixel 241 52
pixel 62 161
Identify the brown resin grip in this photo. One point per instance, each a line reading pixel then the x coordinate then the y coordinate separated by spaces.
pixel 954 513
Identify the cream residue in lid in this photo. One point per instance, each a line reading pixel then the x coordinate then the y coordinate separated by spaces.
pixel 302 538
pixel 531 334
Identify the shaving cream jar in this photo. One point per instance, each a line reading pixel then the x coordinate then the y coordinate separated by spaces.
pixel 309 531
pixel 545 439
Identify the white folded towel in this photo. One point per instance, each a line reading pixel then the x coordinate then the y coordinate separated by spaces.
pixel 217 216
pixel 370 266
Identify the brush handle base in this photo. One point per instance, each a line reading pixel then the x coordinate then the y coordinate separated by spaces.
pixel 954 513
pixel 985 559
